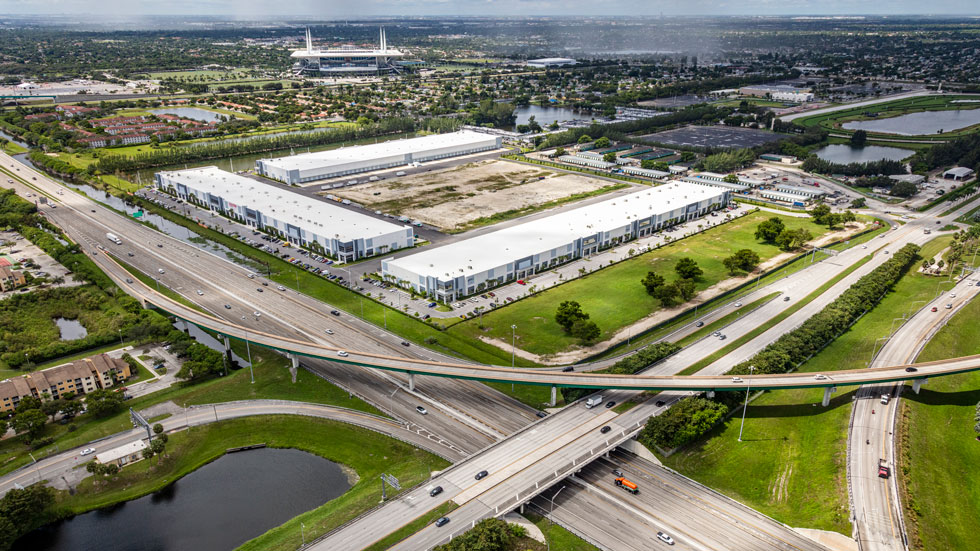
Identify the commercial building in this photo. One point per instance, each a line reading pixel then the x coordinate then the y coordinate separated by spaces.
pixel 123 455
pixel 545 62
pixel 958 173
pixel 809 192
pixel 910 178
pixel 78 377
pixel 309 167
pixel 347 60
pixel 341 233
pixel 646 172
pixel 783 197
pixel 582 160
pixel 737 188
pixel 715 177
pixel 483 262
pixel 779 93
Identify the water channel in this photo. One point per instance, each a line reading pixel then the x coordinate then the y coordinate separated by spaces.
pixel 917 124
pixel 217 507
pixel 845 154
pixel 71 330
pixel 189 113
pixel 545 115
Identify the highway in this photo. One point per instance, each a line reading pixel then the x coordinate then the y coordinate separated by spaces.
pixel 468 416
pixel 56 466
pixel 875 504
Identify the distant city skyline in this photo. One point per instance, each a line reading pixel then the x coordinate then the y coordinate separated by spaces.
pixel 332 9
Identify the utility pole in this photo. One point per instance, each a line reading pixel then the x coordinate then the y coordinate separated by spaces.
pixel 748 388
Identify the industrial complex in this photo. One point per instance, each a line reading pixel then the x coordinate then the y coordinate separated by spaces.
pixel 347 60
pixel 486 261
pixel 332 229
pixel 309 167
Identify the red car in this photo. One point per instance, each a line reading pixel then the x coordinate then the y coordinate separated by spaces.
pixel 934 309
pixel 521 282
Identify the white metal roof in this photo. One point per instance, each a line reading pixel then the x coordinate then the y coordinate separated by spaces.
pixel 959 171
pixel 122 451
pixel 345 155
pixel 491 250
pixel 319 217
pixel 799 190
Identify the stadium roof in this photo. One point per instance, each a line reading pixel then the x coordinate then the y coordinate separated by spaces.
pixel 345 155
pixel 314 215
pixel 491 250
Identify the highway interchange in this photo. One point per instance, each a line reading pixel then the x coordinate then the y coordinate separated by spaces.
pixel 466 416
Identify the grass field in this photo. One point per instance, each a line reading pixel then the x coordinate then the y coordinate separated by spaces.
pixel 11 148
pixel 939 450
pixel 614 297
pixel 368 453
pixel 791 462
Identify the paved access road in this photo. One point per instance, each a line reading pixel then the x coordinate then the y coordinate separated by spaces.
pixel 847 106
pixel 59 465
pixel 876 507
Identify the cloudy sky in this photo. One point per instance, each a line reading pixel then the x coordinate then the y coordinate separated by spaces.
pixel 330 9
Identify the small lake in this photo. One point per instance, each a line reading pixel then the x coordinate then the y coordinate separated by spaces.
pixel 547 115
pixel 217 507
pixel 845 154
pixel 188 113
pixel 13 139
pixel 71 330
pixel 917 124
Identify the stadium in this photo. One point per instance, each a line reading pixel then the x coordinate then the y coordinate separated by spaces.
pixel 347 60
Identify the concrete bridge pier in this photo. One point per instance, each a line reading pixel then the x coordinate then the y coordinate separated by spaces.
pixel 554 396
pixel 411 381
pixel 917 384
pixel 294 366
pixel 826 395
pixel 710 394
pixel 184 327
pixel 228 348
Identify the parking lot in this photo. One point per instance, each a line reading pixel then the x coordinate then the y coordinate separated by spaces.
pixel 20 252
pixel 716 137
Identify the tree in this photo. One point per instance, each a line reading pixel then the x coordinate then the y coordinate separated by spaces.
pixel 568 313
pixel 51 408
pixel 71 408
pixel 584 139
pixel 730 178
pixel 157 428
pixel 25 507
pixel 28 402
pixel 687 268
pixel 585 330
pixel 833 220
pixel 769 230
pixel 602 142
pixel 652 281
pixel 745 260
pixel 859 138
pixel 903 189
pixel 686 288
pixel 793 239
pixel 666 294
pixel 819 212
pixel 147 453
pixel 609 157
pixel 103 403
pixel 30 421
pixel 859 203
pixel 560 151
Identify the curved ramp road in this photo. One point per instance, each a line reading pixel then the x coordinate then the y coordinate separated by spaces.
pixel 53 467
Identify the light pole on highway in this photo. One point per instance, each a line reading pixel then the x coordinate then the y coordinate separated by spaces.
pixel 552 512
pixel 249 350
pixel 513 340
pixel 748 388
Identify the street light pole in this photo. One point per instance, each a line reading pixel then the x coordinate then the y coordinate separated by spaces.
pixel 748 388
pixel 552 512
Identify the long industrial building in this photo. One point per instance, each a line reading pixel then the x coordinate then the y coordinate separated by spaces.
pixel 309 167
pixel 341 233
pixel 473 265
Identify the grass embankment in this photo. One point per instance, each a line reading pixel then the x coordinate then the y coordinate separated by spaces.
pixel 272 380
pixel 939 452
pixel 613 296
pixel 791 463
pixel 412 527
pixel 11 148
pixel 368 453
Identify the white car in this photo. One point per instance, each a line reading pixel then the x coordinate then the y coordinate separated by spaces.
pixel 736 379
pixel 160 271
pixel 200 293
pixel 329 331
pixel 421 410
pixel 256 314
pixel 738 304
pixel 952 295
pixel 88 451
pixel 280 287
pixel 820 377
pixel 342 354
pixel 665 538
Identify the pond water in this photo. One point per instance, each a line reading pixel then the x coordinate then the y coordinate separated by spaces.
pixel 916 124
pixel 71 330
pixel 12 139
pixel 217 507
pixel 547 115
pixel 189 113
pixel 844 153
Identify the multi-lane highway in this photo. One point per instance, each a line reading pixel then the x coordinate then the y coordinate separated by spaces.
pixel 876 508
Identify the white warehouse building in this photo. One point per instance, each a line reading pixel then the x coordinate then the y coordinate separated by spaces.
pixel 318 225
pixel 309 167
pixel 483 262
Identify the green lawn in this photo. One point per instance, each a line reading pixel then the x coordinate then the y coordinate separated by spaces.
pixel 613 296
pixel 558 537
pixel 368 453
pixel 791 462
pixel 11 148
pixel 939 450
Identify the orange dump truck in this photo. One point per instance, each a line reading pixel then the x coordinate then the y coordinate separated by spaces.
pixel 625 484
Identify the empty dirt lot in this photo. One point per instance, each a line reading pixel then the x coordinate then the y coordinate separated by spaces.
pixel 454 198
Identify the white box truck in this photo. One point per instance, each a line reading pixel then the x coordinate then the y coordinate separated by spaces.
pixel 593 402
pixel 112 237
